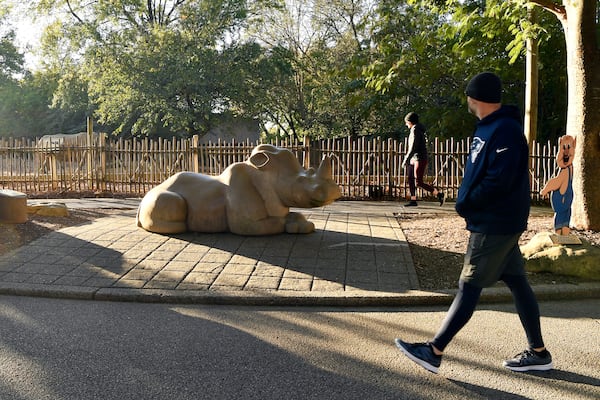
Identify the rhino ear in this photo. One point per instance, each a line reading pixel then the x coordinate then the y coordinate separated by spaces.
pixel 324 170
pixel 259 159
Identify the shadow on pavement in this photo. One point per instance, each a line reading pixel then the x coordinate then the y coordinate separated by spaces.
pixel 486 392
pixel 113 252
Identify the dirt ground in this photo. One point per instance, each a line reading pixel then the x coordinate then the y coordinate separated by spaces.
pixel 437 244
pixel 16 235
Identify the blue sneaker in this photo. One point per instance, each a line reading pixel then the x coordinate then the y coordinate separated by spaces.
pixel 530 360
pixel 422 354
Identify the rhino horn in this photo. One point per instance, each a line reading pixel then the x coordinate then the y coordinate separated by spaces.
pixel 324 170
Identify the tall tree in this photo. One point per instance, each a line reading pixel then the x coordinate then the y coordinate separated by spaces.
pixel 21 95
pixel 321 45
pixel 581 28
pixel 580 21
pixel 11 60
pixel 423 56
pixel 155 67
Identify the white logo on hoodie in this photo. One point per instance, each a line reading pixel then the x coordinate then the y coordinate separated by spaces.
pixel 476 148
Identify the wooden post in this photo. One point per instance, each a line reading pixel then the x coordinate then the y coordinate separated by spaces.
pixel 90 159
pixel 306 141
pixel 103 151
pixel 54 168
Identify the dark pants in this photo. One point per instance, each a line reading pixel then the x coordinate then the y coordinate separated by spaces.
pixel 490 258
pixel 416 171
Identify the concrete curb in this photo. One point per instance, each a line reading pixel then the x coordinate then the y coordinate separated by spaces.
pixel 279 298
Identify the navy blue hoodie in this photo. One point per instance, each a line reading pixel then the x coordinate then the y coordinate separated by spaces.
pixel 494 196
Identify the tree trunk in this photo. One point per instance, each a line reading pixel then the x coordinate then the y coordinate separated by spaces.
pixel 583 112
pixel 531 86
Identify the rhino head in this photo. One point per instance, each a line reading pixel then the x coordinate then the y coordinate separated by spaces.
pixel 295 186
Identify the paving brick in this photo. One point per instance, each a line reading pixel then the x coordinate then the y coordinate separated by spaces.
pixel 350 253
pixel 172 276
pixel 130 283
pixel 295 284
pixel 157 284
pixel 322 285
pixel 200 278
pixel 235 280
pixel 239 269
pixel 263 282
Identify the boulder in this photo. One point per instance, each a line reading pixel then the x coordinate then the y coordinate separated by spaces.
pixel 13 206
pixel 49 209
pixel 547 253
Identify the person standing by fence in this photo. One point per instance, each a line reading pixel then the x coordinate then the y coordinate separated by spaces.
pixel 494 200
pixel 415 160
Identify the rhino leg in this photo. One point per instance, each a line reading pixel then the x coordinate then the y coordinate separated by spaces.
pixel 297 223
pixel 291 223
pixel 162 212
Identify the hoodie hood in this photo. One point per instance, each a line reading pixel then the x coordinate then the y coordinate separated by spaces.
pixel 512 112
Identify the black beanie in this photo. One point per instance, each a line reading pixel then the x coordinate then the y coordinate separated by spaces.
pixel 412 117
pixel 485 87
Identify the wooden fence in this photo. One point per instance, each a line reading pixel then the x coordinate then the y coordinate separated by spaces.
pixel 364 168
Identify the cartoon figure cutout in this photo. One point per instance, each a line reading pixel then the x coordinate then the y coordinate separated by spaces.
pixel 561 185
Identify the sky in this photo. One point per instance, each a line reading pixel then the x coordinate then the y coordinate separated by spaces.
pixel 28 34
pixel 27 41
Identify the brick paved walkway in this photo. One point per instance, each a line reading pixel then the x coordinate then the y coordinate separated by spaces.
pixel 358 255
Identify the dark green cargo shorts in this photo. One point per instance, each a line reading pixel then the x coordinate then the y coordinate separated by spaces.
pixel 489 257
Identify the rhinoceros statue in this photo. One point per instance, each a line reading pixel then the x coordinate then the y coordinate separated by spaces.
pixel 249 198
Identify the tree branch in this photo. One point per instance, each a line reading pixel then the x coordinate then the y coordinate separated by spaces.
pixel 554 8
pixel 73 13
pixel 169 14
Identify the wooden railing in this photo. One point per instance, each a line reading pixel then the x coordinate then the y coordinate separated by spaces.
pixel 364 168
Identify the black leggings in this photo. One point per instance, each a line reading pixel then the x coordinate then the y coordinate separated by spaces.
pixel 466 299
pixel 416 171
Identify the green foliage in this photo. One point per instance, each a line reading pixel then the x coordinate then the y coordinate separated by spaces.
pixel 324 45
pixel 11 61
pixel 25 111
pixel 151 68
pixel 13 97
pixel 304 68
pixel 427 50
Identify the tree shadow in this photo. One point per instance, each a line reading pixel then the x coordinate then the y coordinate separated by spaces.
pixel 113 252
pixel 116 350
pixel 487 392
pixel 566 376
pixel 552 375
pixel 436 269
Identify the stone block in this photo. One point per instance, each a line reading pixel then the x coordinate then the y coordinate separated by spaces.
pixel 49 209
pixel 13 206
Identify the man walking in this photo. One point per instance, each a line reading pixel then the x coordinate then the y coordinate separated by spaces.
pixel 494 200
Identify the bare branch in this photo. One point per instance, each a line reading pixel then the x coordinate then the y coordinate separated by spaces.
pixel 73 13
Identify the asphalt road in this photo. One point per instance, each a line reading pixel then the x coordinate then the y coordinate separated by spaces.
pixel 69 349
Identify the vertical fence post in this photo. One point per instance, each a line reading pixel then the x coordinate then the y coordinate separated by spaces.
pixel 307 151
pixel 54 169
pixel 195 153
pixel 90 158
pixel 103 169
